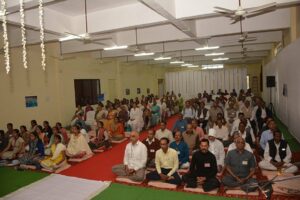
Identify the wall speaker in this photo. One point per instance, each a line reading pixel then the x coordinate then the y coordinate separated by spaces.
pixel 270 81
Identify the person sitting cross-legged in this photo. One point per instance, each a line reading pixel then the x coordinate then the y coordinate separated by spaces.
pixel 203 169
pixel 78 146
pixel 277 155
pixel 135 158
pixel 240 165
pixel 152 145
pixel 166 163
pixel 182 149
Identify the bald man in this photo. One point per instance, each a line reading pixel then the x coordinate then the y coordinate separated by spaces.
pixel 135 159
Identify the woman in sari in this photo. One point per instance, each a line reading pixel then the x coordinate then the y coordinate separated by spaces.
pixel 35 153
pixel 52 140
pixel 42 136
pixel 101 139
pixel 112 113
pixel 117 130
pixel 78 146
pixel 155 110
pixel 57 154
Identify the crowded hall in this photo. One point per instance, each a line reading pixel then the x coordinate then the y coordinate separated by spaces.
pixel 149 99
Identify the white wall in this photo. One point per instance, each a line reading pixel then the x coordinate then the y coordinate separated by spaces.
pixel 286 68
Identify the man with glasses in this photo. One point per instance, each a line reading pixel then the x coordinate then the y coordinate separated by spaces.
pixel 135 158
pixel 166 163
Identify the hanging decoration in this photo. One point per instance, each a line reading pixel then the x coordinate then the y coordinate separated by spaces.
pixel 5 37
pixel 23 33
pixel 42 35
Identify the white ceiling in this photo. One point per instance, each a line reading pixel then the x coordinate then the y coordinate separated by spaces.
pixel 182 25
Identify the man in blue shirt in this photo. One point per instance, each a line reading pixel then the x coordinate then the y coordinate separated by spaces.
pixel 267 135
pixel 180 124
pixel 182 149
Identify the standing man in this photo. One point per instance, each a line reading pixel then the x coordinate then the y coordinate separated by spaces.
pixel 135 158
pixel 240 165
pixel 203 169
pixel 166 163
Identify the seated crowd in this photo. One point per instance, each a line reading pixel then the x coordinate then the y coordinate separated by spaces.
pixel 215 139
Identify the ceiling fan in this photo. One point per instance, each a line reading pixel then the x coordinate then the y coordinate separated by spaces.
pixel 241 13
pixel 86 37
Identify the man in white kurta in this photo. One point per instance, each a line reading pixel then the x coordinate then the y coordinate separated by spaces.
pixel 163 132
pixel 136 119
pixel 135 159
pixel 277 156
pixel 216 147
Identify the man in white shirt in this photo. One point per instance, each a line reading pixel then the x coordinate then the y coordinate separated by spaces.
pixel 163 132
pixel 136 118
pixel 216 147
pixel 277 155
pixel 135 158
pixel 188 111
pixel 235 125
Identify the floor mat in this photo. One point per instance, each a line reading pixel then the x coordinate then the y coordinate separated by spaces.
pixel 57 187
pixel 125 192
pixel 11 179
pixel 99 166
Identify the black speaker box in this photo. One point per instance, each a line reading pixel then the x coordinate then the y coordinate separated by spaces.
pixel 270 81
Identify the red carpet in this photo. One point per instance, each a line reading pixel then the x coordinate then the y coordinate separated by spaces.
pixel 99 166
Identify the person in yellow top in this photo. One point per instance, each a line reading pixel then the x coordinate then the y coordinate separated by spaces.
pixel 57 155
pixel 166 163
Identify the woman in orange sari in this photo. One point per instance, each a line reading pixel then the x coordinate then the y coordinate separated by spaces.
pixel 112 114
pixel 117 130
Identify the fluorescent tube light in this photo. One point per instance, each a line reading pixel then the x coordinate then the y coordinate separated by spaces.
pixel 144 54
pixel 214 54
pixel 163 58
pixel 214 66
pixel 115 47
pixel 206 48
pixel 186 64
pixel 71 37
pixel 192 66
pixel 218 59
pixel 177 62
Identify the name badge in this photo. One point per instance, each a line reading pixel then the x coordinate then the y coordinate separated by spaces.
pixel 152 150
pixel 206 164
pixel 245 162
pixel 178 152
pixel 182 127
pixel 283 149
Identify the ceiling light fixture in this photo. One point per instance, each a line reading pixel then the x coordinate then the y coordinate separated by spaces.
pixel 214 66
pixel 115 47
pixel 163 58
pixel 177 62
pixel 144 54
pixel 218 59
pixel 207 48
pixel 186 64
pixel 214 54
pixel 192 66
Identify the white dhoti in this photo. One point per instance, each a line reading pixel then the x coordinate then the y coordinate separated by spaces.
pixel 287 167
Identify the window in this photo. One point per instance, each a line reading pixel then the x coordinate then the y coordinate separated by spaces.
pixel 86 91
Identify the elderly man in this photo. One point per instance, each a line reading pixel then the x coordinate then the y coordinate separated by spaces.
pixel 277 155
pixel 232 146
pixel 164 132
pixel 166 163
pixel 216 147
pixel 152 145
pixel 135 158
pixel 203 169
pixel 240 165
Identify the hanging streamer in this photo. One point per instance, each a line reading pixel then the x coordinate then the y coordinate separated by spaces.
pixel 5 37
pixel 42 35
pixel 23 33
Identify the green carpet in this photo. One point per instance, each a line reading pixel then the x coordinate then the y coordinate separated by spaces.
pixel 11 180
pixel 124 192
pixel 293 143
